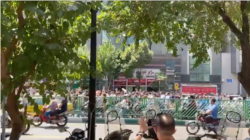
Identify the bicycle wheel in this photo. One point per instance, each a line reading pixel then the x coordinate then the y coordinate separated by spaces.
pixel 150 114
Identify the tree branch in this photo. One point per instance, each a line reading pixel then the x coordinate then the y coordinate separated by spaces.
pixel 21 22
pixel 20 14
pixel 230 23
pixel 25 78
pixel 245 21
pixel 226 19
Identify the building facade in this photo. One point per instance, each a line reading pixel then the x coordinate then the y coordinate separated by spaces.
pixel 217 75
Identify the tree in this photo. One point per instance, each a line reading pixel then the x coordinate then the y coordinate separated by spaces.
pixel 161 83
pixel 38 40
pixel 200 25
pixel 107 56
pixel 138 56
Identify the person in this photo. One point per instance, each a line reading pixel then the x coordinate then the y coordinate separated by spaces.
pixel 53 105
pixel 62 108
pixel 163 126
pixel 211 113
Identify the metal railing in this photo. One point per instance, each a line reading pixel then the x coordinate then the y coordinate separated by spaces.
pixel 135 107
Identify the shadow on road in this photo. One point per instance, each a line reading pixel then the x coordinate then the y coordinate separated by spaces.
pixel 53 127
pixel 27 134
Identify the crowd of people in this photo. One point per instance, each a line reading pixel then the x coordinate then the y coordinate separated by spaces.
pixel 164 125
pixel 153 94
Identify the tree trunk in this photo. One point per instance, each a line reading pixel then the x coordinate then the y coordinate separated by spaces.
pixel 109 82
pixel 244 75
pixel 17 121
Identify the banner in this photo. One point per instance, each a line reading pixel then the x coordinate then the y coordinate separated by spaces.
pixel 201 90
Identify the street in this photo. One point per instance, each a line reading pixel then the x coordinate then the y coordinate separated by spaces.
pixel 51 132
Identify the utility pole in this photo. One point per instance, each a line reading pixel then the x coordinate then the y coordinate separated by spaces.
pixel 92 79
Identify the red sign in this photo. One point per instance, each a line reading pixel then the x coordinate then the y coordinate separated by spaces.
pixel 136 82
pixel 201 90
pixel 150 81
pixel 120 82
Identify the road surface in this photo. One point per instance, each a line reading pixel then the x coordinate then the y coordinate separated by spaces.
pixel 51 132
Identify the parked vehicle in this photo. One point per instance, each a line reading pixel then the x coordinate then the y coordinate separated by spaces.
pixel 60 120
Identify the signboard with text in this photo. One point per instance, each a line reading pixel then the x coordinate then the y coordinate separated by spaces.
pixel 201 90
pixel 120 82
pixel 147 73
pixel 136 82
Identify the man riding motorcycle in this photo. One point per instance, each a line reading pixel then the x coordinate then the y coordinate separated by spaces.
pixel 53 105
pixel 211 113
pixel 62 108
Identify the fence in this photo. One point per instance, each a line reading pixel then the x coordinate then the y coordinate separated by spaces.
pixel 179 108
pixel 136 107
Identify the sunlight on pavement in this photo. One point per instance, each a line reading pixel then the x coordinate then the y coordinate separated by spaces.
pixel 42 137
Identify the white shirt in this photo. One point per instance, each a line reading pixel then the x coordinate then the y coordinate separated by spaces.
pixel 151 96
pixel 53 105
pixel 163 96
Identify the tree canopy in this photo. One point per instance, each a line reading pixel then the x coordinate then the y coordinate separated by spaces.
pixel 38 38
pixel 167 22
pixel 200 25
pixel 137 57
pixel 161 82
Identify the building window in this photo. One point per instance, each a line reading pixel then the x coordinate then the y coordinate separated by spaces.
pixel 200 73
pixel 105 37
pixel 170 64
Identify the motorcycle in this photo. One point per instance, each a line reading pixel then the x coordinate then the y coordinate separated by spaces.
pixel 218 128
pixel 200 123
pixel 60 120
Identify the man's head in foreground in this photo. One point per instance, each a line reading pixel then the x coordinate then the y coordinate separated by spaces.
pixel 164 126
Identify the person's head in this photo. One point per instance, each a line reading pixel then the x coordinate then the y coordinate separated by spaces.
pixel 192 97
pixel 212 101
pixel 164 126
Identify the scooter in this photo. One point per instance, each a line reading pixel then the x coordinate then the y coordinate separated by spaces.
pixel 60 120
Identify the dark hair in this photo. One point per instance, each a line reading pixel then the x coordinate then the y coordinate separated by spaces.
pixel 192 97
pixel 213 100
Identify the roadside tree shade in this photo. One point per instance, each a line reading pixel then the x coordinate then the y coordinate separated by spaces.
pixel 199 25
pixel 39 39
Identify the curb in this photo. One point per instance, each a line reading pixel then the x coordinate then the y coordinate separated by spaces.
pixel 129 121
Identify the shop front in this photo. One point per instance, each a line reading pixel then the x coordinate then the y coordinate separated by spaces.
pixel 132 84
pixel 120 83
pixel 199 89
pixel 148 76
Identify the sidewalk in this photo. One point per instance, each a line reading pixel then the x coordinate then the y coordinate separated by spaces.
pixel 129 121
